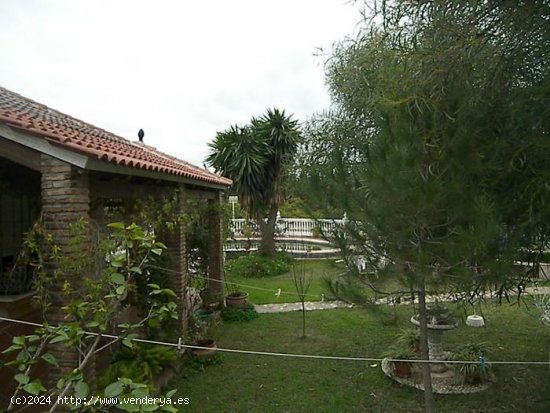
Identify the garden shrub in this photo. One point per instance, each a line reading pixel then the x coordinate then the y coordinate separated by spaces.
pixel 195 365
pixel 239 314
pixel 256 266
pixel 141 364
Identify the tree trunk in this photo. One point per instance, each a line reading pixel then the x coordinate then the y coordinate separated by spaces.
pixel 303 318
pixel 267 245
pixel 426 371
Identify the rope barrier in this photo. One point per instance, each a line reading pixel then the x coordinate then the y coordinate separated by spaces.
pixel 179 345
pixel 276 292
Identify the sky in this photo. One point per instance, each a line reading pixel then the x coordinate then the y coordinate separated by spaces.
pixel 181 70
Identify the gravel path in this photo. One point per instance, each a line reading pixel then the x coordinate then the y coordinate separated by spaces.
pixel 329 305
pixel 310 305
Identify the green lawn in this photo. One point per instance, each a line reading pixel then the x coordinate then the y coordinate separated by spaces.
pixel 249 383
pixel 317 269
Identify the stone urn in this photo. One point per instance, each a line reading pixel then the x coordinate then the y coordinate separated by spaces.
pixel 439 321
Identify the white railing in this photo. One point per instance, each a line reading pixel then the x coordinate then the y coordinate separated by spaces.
pixel 291 227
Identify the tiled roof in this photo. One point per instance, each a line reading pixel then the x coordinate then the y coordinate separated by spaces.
pixel 31 117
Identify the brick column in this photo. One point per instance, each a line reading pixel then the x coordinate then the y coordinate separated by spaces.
pixel 175 240
pixel 65 200
pixel 215 253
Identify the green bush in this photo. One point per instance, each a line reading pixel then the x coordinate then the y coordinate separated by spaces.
pixel 195 365
pixel 531 256
pixel 257 266
pixel 472 373
pixel 239 314
pixel 141 364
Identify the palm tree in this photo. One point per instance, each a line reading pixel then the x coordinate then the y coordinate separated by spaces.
pixel 255 157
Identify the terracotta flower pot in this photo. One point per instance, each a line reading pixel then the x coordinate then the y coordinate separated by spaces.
pixel 402 369
pixel 237 300
pixel 210 348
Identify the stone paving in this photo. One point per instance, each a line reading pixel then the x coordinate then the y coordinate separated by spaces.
pixel 310 305
pixel 329 305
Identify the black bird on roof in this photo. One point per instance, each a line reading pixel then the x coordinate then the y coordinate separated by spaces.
pixel 141 134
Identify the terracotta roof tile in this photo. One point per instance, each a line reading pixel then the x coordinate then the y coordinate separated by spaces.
pixel 75 135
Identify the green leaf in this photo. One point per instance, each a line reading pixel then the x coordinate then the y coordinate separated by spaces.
pixel 19 340
pixel 121 289
pixel 60 383
pixel 154 286
pixel 171 393
pixel 168 292
pixel 118 278
pixel 50 359
pixel 137 270
pixel 156 251
pixel 13 347
pixel 114 389
pixel 34 387
pixel 59 338
pixel 21 378
pixel 116 225
pixel 34 338
pixel 140 391
pixel 127 407
pixel 127 341
pixel 81 389
pixel 22 357
pixel 149 407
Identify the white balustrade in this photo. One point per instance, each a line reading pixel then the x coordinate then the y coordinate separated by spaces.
pixel 237 225
pixel 294 227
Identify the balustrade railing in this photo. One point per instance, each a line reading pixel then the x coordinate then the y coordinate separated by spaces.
pixel 290 227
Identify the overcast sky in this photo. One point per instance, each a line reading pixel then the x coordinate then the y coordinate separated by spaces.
pixel 181 70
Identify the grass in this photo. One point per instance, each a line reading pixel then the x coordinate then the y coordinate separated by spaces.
pixel 250 383
pixel 317 269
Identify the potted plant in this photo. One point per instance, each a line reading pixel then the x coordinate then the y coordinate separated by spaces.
pixel 473 373
pixel 409 338
pixel 235 298
pixel 399 356
pixel 208 348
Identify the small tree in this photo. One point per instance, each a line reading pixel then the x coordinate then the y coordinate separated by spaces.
pixel 91 314
pixel 301 280
pixel 255 157
pixel 441 151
